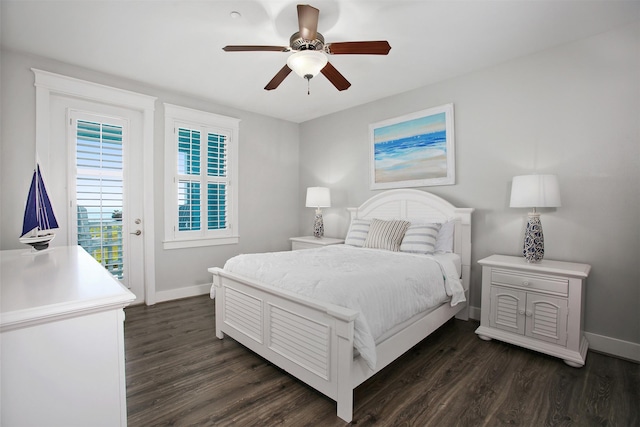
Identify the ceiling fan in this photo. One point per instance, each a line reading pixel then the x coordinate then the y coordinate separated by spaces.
pixel 309 46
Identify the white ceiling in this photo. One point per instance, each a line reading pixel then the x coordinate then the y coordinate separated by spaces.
pixel 178 44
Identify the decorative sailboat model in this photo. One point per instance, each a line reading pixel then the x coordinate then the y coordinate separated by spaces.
pixel 39 220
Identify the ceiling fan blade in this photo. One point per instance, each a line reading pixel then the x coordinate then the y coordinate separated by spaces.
pixel 380 47
pixel 308 21
pixel 278 78
pixel 249 48
pixel 334 76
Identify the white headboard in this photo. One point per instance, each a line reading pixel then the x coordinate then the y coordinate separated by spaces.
pixel 419 205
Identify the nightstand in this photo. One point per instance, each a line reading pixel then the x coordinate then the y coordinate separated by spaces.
pixel 309 242
pixel 535 305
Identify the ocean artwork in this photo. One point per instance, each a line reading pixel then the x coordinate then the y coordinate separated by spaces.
pixel 413 152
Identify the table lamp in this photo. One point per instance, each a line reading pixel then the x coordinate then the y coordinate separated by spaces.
pixel 532 191
pixel 318 197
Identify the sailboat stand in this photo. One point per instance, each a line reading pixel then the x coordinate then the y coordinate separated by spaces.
pixel 39 219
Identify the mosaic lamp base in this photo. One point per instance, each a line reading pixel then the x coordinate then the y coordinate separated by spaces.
pixel 533 250
pixel 318 225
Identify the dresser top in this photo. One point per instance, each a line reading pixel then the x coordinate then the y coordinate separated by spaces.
pixel 56 282
pixel 571 269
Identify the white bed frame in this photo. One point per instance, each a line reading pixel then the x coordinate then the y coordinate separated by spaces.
pixel 313 340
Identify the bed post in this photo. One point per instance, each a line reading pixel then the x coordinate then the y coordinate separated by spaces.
pixel 462 246
pixel 344 379
pixel 216 294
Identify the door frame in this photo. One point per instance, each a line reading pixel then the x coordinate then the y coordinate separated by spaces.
pixel 50 84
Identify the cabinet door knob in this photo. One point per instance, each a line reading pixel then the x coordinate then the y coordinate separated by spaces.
pixel 520 312
pixel 525 283
pixel 529 313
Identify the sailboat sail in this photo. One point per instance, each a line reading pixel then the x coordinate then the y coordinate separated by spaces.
pixel 38 214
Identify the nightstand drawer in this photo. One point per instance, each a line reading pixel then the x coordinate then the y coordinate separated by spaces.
pixel 296 246
pixel 555 285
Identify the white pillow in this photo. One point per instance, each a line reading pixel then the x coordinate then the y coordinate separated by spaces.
pixel 386 234
pixel 420 239
pixel 444 242
pixel 358 231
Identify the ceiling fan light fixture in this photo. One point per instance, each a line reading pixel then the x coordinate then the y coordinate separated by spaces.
pixel 307 63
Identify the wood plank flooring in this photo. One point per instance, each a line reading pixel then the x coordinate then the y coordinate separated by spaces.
pixel 180 374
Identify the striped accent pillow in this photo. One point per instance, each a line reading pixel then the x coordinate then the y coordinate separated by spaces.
pixel 420 239
pixel 358 232
pixel 386 234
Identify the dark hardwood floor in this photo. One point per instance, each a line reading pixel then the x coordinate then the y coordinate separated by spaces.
pixel 180 374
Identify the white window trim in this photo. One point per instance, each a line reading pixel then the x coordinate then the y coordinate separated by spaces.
pixel 48 84
pixel 175 115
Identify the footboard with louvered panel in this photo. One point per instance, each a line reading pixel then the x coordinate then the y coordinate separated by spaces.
pixel 313 341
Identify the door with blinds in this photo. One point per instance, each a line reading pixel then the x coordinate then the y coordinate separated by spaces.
pixel 102 194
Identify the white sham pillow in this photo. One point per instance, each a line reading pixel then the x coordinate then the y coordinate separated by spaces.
pixel 444 242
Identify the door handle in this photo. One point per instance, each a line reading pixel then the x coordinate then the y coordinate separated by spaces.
pixel 137 232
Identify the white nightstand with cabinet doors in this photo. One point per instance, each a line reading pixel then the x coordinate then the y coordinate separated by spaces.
pixel 538 306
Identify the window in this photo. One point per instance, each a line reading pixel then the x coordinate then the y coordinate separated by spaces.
pixel 200 178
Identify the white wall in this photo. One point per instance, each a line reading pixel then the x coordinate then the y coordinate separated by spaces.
pixel 268 150
pixel 573 111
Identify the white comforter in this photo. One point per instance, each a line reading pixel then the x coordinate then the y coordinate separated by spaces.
pixel 386 288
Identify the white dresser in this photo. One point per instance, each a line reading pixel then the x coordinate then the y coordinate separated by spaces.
pixel 62 340
pixel 535 305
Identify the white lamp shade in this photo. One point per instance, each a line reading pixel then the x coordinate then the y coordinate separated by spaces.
pixel 535 191
pixel 307 62
pixel 318 197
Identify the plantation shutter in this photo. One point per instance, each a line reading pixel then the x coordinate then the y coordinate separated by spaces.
pixel 202 191
pixel 216 181
pixel 188 180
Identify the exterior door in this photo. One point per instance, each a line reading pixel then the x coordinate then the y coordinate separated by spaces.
pixel 105 194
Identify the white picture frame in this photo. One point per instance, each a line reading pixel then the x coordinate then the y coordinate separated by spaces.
pixel 414 150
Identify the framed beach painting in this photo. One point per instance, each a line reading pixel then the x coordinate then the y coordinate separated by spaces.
pixel 415 150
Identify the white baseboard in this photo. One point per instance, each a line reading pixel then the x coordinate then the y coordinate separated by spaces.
pixel 474 313
pixel 615 347
pixel 186 292
pixel 600 343
pixel 612 346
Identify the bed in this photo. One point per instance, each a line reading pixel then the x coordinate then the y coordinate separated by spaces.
pixel 316 340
